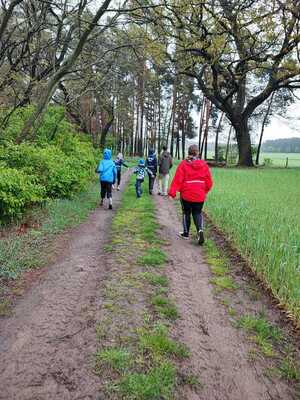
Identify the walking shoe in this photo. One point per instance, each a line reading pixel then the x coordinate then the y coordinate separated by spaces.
pixel 183 235
pixel 200 237
pixel 110 204
pixel 118 188
pixel 159 193
pixel 110 207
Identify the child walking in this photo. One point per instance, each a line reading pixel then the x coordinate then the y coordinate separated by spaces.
pixel 119 163
pixel 140 171
pixel 193 181
pixel 151 163
pixel 107 175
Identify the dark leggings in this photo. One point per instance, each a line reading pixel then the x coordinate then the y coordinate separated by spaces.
pixel 118 177
pixel 151 182
pixel 188 208
pixel 105 189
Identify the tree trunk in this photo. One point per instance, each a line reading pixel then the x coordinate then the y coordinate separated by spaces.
pixel 228 143
pixel 217 137
pixel 201 123
pixel 169 128
pixel 105 131
pixel 244 143
pixel 159 121
pixel 263 129
pixel 205 135
pixel 173 119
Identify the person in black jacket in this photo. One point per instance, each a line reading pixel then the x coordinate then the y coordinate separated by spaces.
pixel 151 164
pixel 119 163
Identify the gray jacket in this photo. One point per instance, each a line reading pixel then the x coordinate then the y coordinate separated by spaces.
pixel 165 163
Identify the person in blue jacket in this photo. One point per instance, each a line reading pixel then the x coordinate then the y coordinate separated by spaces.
pixel 107 175
pixel 140 171
pixel 151 164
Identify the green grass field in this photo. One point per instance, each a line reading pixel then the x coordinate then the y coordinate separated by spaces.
pixel 279 159
pixel 259 211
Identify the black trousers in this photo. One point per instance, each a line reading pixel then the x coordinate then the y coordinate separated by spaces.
pixel 188 208
pixel 151 182
pixel 106 189
pixel 118 176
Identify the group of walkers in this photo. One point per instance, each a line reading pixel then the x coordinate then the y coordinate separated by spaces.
pixel 151 166
pixel 192 180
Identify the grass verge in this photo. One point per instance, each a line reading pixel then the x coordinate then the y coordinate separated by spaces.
pixel 137 357
pixel 32 249
pixel 270 341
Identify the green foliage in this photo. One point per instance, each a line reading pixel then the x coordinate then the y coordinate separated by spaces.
pixel 153 257
pixel 158 383
pixel 245 204
pixel 264 333
pixel 155 279
pixel 165 307
pixel 57 164
pixel 159 344
pixel 18 190
pixel 117 359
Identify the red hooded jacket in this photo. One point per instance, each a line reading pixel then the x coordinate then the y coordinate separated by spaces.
pixel 193 180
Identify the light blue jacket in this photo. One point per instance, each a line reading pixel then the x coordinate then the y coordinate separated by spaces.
pixel 106 168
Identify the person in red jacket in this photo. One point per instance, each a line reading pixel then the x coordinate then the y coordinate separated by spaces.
pixel 193 181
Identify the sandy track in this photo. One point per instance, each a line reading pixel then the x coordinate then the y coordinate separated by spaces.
pixel 218 350
pixel 46 347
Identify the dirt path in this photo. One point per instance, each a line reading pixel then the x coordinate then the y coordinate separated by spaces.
pixel 46 347
pixel 218 350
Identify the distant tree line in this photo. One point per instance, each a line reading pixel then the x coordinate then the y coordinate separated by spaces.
pixel 290 145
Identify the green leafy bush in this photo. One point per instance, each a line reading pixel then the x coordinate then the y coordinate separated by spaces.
pixel 61 175
pixel 58 163
pixel 18 191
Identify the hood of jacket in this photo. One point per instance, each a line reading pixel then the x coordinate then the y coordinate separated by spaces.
pixel 107 154
pixel 195 163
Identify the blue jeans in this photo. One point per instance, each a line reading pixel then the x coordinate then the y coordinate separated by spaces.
pixel 138 187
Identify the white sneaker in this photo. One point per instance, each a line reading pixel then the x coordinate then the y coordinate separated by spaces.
pixel 200 237
pixel 183 236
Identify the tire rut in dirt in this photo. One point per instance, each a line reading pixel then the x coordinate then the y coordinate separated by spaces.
pixel 218 351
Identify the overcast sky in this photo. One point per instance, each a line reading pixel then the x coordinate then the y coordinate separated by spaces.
pixel 285 127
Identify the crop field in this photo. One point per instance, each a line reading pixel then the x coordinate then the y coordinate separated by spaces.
pixel 279 159
pixel 259 211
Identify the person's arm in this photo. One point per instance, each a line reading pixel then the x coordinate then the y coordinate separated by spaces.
pixel 171 162
pixel 149 172
pixel 155 165
pixel 125 165
pixel 115 173
pixel 177 181
pixel 208 179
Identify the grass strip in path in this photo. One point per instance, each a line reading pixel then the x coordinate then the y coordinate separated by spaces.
pixel 137 357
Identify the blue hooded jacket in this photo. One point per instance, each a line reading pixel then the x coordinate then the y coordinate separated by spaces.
pixel 106 168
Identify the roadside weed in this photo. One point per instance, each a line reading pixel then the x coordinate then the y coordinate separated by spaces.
pixel 117 359
pixel 165 307
pixel 157 383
